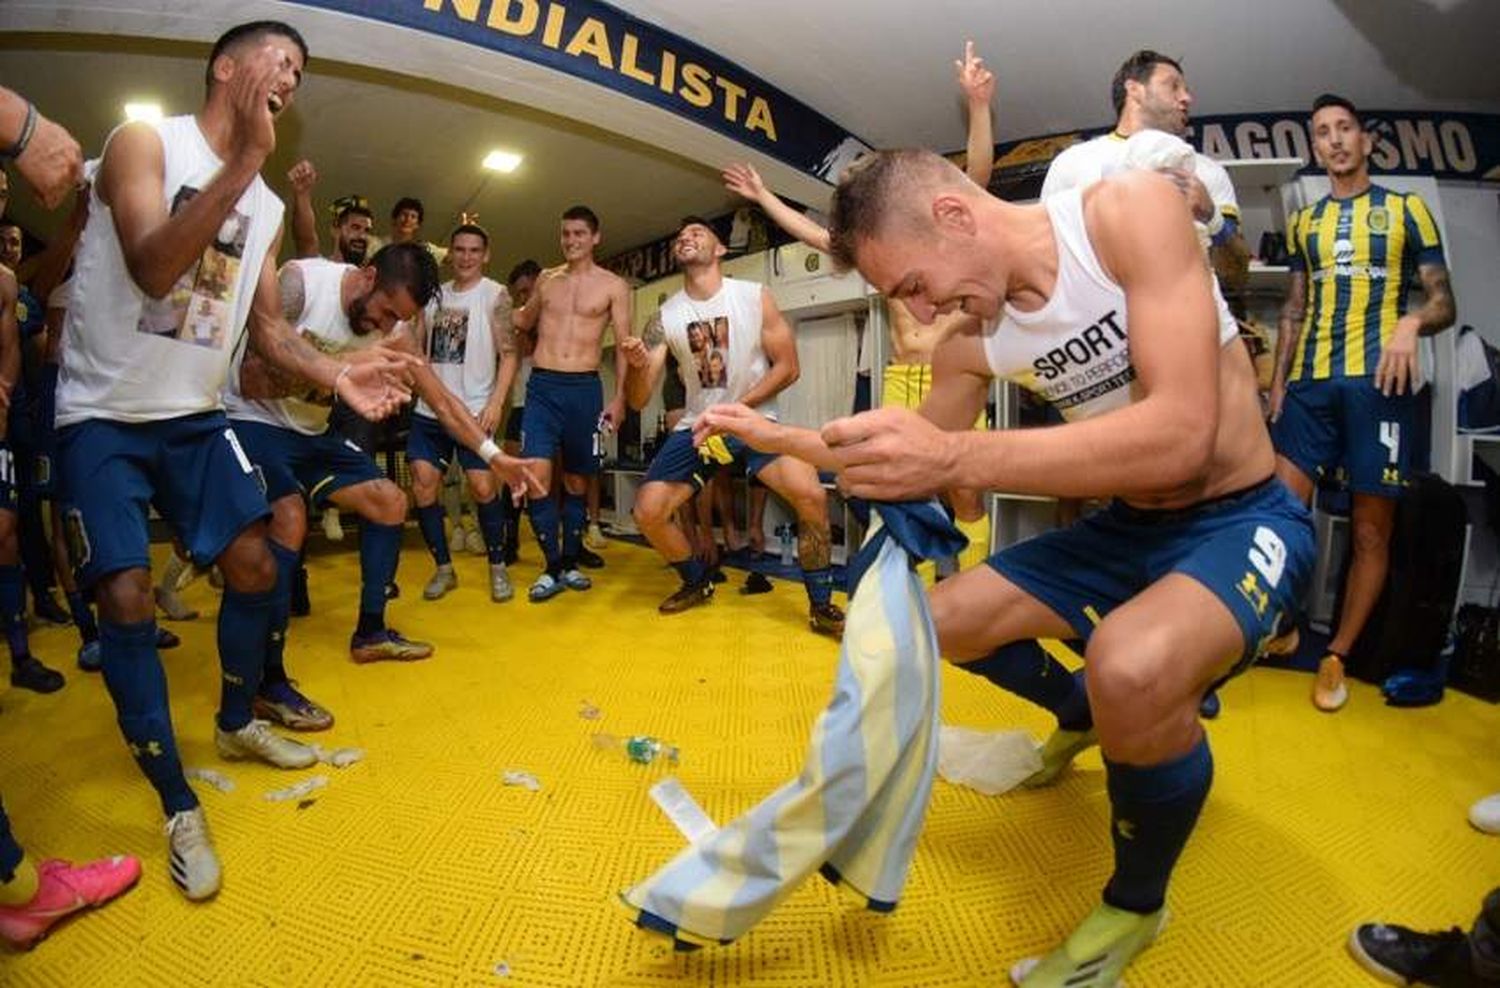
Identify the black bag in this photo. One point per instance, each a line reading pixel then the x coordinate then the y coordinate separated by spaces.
pixel 1409 626
pixel 1476 660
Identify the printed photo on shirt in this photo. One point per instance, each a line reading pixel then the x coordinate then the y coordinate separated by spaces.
pixel 450 335
pixel 199 308
pixel 709 341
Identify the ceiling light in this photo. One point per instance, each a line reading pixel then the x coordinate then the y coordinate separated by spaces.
pixel 502 161
pixel 143 111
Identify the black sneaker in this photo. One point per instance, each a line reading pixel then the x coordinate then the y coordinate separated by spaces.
pixel 588 559
pixel 166 639
pixel 687 595
pixel 28 673
pixel 392 590
pixel 717 576
pixel 1407 957
pixel 826 619
pixel 46 608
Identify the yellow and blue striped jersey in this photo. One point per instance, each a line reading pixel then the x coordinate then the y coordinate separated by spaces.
pixel 1359 254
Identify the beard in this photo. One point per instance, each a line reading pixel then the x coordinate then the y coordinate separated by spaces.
pixel 353 251
pixel 358 314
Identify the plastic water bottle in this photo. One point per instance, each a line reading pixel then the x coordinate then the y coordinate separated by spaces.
pixel 785 531
pixel 643 749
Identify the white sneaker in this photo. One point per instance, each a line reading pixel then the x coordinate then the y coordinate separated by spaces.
pixel 257 740
pixel 575 580
pixel 474 542
pixel 500 588
pixel 332 527
pixel 193 864
pixel 443 580
pixel 594 537
pixel 1485 814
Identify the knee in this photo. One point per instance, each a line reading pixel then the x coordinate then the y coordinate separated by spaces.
pixel 424 483
pixel 289 522
pixel 483 485
pixel 389 503
pixel 650 510
pixel 125 597
pixel 1123 672
pixel 575 484
pixel 248 565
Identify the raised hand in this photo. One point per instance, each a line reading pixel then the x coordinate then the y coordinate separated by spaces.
pixel 977 82
pixel 743 180
pixel 52 163
pixel 303 177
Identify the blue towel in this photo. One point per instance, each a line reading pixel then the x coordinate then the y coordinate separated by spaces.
pixel 855 811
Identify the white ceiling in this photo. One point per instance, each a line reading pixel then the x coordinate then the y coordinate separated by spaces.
pixel 880 69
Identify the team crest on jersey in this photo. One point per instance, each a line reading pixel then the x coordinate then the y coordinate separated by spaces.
pixel 76 535
pixel 1380 220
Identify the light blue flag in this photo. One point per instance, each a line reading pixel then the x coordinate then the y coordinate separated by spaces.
pixel 856 809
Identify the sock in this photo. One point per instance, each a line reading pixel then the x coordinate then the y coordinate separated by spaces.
pixel 491 516
pixel 273 670
pixel 431 520
pixel 36 554
pixel 244 639
pixel 379 552
pixel 1027 670
pixel 692 570
pixel 13 866
pixel 544 521
pixel 575 513
pixel 13 610
pixel 512 521
pixel 83 616
pixel 819 585
pixel 1152 812
pixel 134 678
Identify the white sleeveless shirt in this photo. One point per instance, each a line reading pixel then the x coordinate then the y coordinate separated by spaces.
pixel 131 358
pixel 323 324
pixel 1073 352
pixel 717 346
pixel 460 345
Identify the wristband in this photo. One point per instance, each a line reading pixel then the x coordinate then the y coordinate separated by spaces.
pixel 488 450
pixel 343 372
pixel 27 129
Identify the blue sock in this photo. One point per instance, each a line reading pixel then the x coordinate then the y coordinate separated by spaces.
pixel 1152 813
pixel 819 585
pixel 1027 670
pixel 544 520
pixel 244 637
pixel 134 678
pixel 430 519
pixel 575 518
pixel 273 670
pixel 13 610
pixel 83 616
pixel 491 515
pixel 10 851
pixel 36 554
pixel 379 552
pixel 692 570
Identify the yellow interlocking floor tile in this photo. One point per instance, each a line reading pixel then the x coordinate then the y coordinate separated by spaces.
pixel 419 867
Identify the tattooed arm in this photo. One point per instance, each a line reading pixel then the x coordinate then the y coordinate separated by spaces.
pixel 259 378
pixel 1397 370
pixel 503 332
pixel 645 358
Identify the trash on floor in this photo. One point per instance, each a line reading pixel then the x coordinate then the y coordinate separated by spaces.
pixel 339 757
pixel 218 780
pixel 640 748
pixel 991 762
pixel 684 812
pixel 299 790
pixel 514 777
pixel 588 711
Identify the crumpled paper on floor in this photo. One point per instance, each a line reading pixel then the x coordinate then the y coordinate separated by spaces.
pixel 990 762
pixel 217 779
pixel 301 789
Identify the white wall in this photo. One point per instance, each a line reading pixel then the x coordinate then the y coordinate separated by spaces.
pixel 1471 212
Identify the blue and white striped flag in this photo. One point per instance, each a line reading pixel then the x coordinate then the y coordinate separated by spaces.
pixel 856 809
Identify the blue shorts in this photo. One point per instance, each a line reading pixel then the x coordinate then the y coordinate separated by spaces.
pixel 192 468
pixel 10 480
pixel 44 451
pixel 429 441
pixel 513 424
pixel 1254 550
pixel 562 413
pixel 1346 422
pixel 290 462
pixel 679 462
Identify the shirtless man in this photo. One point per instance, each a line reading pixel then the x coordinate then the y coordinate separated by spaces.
pixel 1177 584
pixel 567 313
